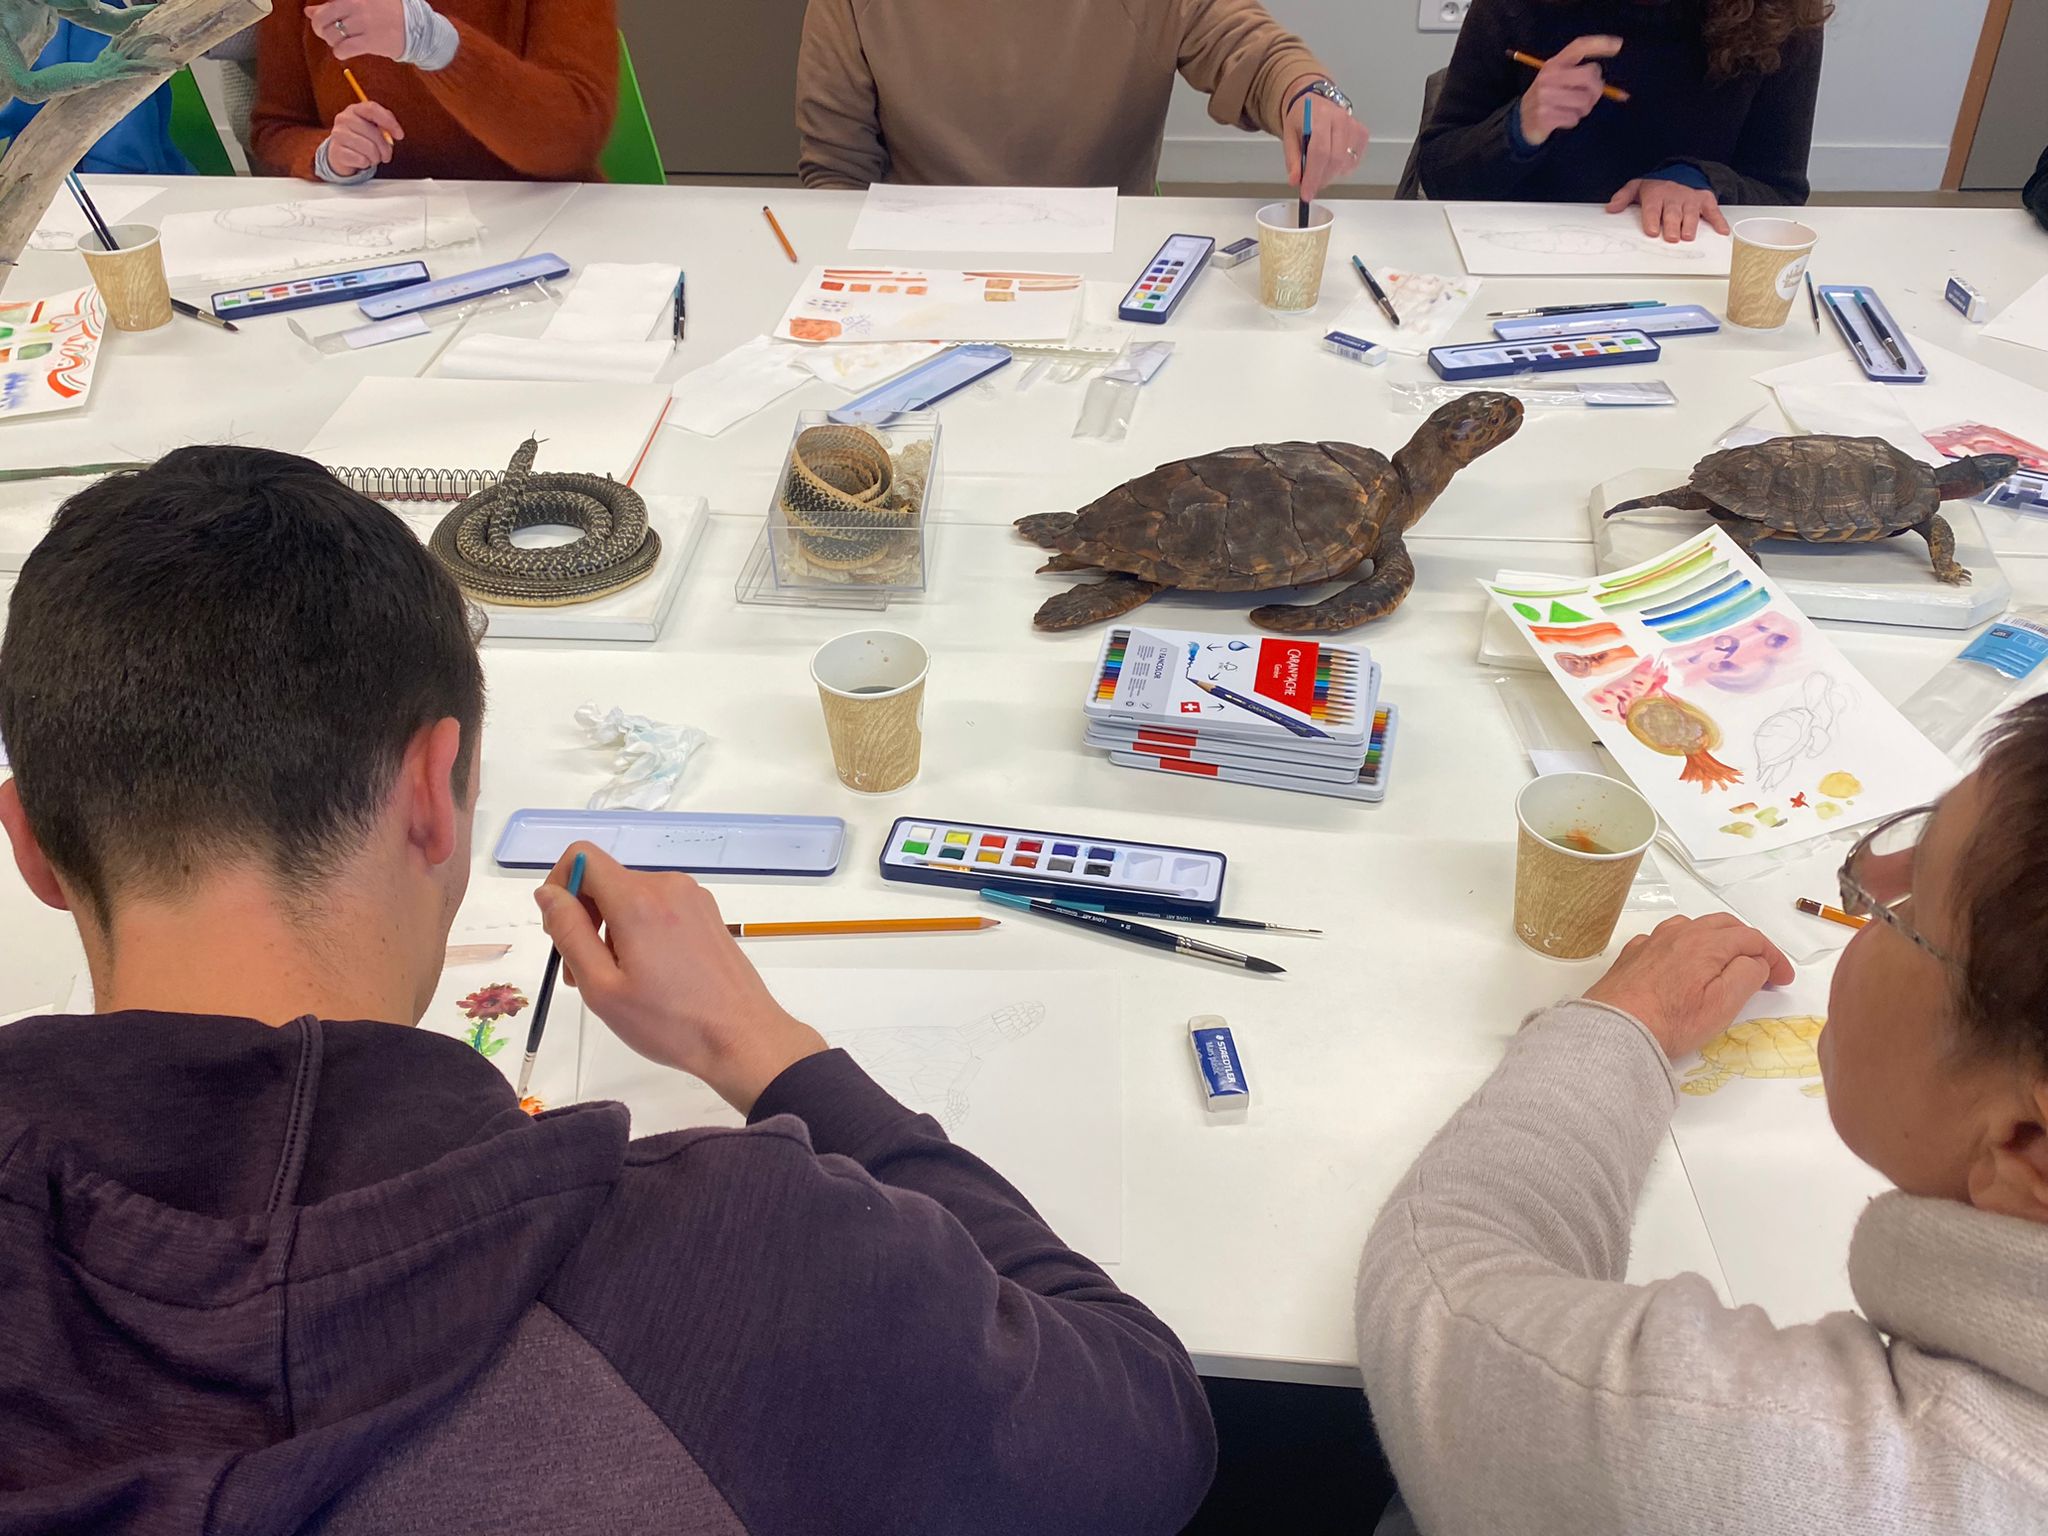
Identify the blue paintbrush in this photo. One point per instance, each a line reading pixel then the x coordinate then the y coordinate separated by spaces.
pixel 547 990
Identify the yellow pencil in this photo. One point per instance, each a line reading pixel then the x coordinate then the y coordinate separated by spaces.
pixel 860 926
pixel 775 225
pixel 357 86
pixel 1611 92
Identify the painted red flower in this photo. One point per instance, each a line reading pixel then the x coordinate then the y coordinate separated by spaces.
pixel 500 1000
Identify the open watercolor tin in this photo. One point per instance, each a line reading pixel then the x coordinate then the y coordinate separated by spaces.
pixel 1127 876
pixel 692 842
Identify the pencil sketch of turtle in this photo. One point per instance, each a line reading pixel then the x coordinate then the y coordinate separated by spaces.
pixel 1825 489
pixel 1268 517
pixel 1760 1048
pixel 929 1066
pixel 1799 731
pixel 1585 242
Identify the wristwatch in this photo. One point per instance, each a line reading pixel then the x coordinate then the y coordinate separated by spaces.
pixel 1323 88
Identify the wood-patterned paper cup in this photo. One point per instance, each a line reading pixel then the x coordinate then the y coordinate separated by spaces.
pixel 131 278
pixel 1765 269
pixel 1579 842
pixel 1291 258
pixel 871 684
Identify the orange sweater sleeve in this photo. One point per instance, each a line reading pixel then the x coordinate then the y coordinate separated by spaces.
pixel 285 127
pixel 547 110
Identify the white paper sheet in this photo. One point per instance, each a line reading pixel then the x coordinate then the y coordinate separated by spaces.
pixel 361 227
pixel 1428 304
pixel 1778 1191
pixel 709 399
pixel 488 1005
pixel 63 224
pixel 1575 240
pixel 1023 1068
pixel 1732 714
pixel 2025 320
pixel 545 358
pixel 617 301
pixel 594 429
pixel 842 304
pixel 1019 220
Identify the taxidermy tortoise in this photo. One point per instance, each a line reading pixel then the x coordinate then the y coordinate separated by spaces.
pixel 1832 490
pixel 1266 517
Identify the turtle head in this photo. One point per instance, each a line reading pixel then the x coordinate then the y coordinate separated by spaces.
pixel 1961 478
pixel 1453 437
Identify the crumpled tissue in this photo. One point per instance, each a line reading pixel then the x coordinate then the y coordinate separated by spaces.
pixel 650 756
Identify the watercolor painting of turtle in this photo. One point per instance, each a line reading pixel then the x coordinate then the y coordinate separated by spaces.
pixel 1728 709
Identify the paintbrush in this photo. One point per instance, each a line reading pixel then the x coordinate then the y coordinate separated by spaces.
pixel 1308 108
pixel 107 243
pixel 547 990
pixel 856 926
pixel 1185 917
pixel 70 471
pixel 1134 933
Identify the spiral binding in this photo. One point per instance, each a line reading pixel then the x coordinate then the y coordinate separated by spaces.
pixel 418 484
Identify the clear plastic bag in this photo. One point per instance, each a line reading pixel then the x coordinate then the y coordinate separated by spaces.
pixel 1536 394
pixel 1980 678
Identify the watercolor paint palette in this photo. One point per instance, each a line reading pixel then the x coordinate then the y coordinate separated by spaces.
pixel 1368 782
pixel 970 855
pixel 1276 691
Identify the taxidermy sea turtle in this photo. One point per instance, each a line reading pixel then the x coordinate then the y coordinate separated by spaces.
pixel 1265 517
pixel 1832 490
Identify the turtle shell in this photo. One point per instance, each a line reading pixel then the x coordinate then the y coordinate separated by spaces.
pixel 1769 1047
pixel 1243 520
pixel 1822 489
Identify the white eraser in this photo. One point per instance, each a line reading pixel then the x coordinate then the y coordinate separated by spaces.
pixel 1964 299
pixel 1224 1088
pixel 1235 254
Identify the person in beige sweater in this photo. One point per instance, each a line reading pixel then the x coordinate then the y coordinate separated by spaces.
pixel 1050 93
pixel 1519 1385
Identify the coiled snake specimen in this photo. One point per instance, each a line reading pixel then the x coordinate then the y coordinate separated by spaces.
pixel 474 541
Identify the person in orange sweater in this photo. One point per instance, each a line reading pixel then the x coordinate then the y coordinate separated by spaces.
pixel 486 89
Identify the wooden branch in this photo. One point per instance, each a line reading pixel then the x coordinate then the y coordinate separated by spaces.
pixel 32 171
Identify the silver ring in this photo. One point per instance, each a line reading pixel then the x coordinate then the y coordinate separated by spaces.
pixel 340 27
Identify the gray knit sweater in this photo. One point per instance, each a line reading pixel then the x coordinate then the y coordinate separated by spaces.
pixel 1519 1385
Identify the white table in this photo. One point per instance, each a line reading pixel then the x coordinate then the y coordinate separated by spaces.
pixel 1244 1238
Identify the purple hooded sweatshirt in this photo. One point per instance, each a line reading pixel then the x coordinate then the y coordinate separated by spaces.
pixel 328 1277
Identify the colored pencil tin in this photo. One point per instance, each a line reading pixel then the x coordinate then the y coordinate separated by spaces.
pixel 1879 342
pixel 1123 875
pixel 693 842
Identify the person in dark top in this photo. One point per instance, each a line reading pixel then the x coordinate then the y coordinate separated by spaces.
pixel 271 1261
pixel 1720 107
pixel 2035 197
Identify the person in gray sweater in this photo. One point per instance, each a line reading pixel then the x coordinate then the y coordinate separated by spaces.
pixel 1519 1384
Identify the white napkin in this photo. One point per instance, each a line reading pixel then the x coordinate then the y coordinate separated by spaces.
pixel 707 400
pixel 546 358
pixel 1428 304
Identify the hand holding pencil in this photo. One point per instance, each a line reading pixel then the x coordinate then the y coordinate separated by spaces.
pixel 1568 86
pixel 667 978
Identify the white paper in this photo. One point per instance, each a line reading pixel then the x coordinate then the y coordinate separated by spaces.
pixel 858 367
pixel 49 351
pixel 2025 319
pixel 1576 240
pixel 1855 410
pixel 64 223
pixel 1779 1192
pixel 488 1005
pixel 587 429
pixel 1023 1068
pixel 1428 304
pixel 359 228
pixel 843 304
pixel 1023 220
pixel 615 301
pixel 544 358
pixel 709 399
pixel 1732 714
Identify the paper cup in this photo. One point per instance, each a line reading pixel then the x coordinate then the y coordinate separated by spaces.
pixel 1765 269
pixel 1290 258
pixel 871 684
pixel 1580 840
pixel 131 279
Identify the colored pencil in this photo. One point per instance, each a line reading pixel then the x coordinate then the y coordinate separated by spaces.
pixel 1308 109
pixel 1134 933
pixel 1814 908
pixel 1572 309
pixel 1611 92
pixel 364 97
pixel 547 990
pixel 787 249
pixel 1379 294
pixel 862 926
pixel 107 243
pixel 1813 302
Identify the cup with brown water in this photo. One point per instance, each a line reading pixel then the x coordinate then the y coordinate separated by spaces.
pixel 1580 839
pixel 130 277
pixel 871 685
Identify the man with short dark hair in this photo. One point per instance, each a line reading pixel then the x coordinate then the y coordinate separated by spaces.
pixel 270 1262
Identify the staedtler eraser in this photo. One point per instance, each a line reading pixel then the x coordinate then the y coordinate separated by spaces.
pixel 1235 254
pixel 1964 299
pixel 1224 1090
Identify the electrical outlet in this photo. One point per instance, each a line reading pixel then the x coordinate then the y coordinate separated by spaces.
pixel 1440 15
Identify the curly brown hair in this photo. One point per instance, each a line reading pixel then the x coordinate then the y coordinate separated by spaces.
pixel 1749 36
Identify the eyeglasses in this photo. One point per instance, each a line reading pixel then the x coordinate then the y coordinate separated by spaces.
pixel 1877 876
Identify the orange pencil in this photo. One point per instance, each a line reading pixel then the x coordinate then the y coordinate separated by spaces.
pixel 1611 92
pixel 787 249
pixel 858 926
pixel 357 86
pixel 1813 908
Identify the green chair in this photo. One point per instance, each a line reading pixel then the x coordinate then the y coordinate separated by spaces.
pixel 192 129
pixel 631 155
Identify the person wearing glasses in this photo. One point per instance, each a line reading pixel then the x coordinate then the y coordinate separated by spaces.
pixel 1518 1384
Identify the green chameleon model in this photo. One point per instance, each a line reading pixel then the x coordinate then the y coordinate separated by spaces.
pixel 26 27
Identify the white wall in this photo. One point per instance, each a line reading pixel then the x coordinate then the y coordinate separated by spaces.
pixel 1888 96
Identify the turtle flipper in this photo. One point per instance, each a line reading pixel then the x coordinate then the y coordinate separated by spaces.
pixel 1941 549
pixel 1046 529
pixel 1705 1078
pixel 1682 498
pixel 1393 573
pixel 1093 601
